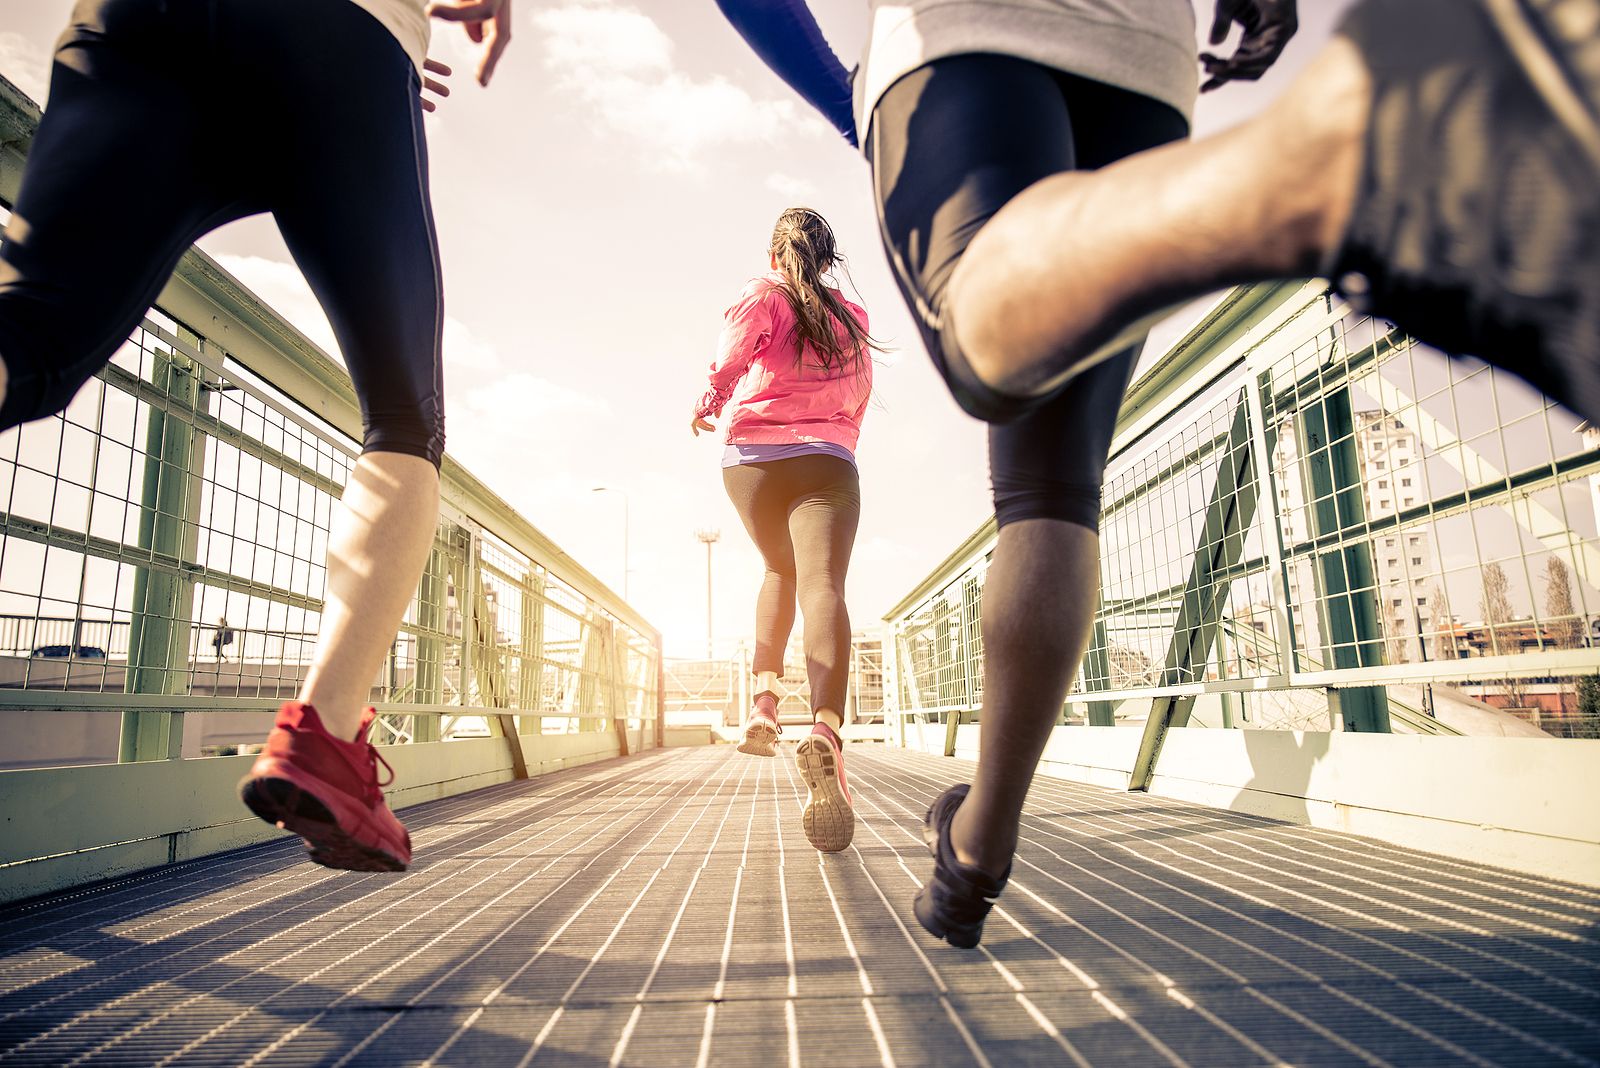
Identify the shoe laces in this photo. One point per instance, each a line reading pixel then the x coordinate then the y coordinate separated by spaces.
pixel 374 784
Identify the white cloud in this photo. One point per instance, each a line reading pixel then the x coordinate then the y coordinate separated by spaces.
pixel 617 61
pixel 25 65
pixel 797 190
pixel 525 407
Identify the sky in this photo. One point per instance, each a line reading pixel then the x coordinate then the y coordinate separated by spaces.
pixel 599 206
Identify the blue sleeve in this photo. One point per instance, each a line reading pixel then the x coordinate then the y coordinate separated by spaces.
pixel 786 36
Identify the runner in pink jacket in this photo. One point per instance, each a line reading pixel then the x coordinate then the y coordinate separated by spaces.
pixel 795 365
pixel 778 400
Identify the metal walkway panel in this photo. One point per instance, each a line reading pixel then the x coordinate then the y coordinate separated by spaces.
pixel 667 910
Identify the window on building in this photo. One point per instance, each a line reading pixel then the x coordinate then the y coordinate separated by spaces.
pixel 1410 501
pixel 1415 540
pixel 1383 483
pixel 1405 482
pixel 1384 503
pixel 1416 560
pixel 1393 562
pixel 1398 602
pixel 1421 601
pixel 1378 464
pixel 1388 543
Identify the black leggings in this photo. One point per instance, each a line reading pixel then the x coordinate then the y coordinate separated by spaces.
pixel 802 515
pixel 168 118
pixel 950 144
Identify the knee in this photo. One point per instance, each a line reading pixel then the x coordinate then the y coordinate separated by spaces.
pixel 30 392
pixel 1019 497
pixel 416 430
pixel 822 589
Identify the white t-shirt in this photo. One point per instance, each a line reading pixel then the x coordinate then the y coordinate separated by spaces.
pixel 407 20
pixel 1144 46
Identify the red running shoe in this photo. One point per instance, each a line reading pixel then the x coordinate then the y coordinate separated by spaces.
pixel 829 818
pixel 761 730
pixel 327 791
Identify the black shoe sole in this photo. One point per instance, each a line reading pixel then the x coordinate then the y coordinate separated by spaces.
pixel 283 804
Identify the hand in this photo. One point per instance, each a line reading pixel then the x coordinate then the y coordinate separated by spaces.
pixel 700 424
pixel 1268 25
pixel 485 20
pixel 439 89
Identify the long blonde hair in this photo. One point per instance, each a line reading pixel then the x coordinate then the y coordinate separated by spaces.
pixel 805 250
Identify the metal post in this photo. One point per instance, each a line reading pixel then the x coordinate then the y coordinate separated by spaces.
pixel 428 681
pixel 1345 572
pixel 709 536
pixel 1097 668
pixel 158 641
pixel 1205 593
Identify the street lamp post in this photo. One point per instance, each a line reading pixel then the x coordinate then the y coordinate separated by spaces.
pixel 709 536
pixel 625 526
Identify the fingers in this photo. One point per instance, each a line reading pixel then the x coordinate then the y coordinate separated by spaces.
pixel 499 37
pixel 433 66
pixel 438 88
pixel 1268 25
pixel 1222 23
pixel 463 10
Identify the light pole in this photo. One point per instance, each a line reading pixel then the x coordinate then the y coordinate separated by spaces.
pixel 709 535
pixel 625 525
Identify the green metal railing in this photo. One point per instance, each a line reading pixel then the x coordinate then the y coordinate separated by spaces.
pixel 178 514
pixel 1310 522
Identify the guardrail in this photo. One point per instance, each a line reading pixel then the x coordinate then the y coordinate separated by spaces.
pixel 1311 526
pixel 183 499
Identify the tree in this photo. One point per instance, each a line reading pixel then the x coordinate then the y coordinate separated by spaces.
pixel 1496 605
pixel 1561 619
pixel 1588 725
pixel 1563 627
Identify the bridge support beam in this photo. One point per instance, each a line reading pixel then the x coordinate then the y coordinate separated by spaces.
pixel 163 596
pixel 1205 593
pixel 1346 577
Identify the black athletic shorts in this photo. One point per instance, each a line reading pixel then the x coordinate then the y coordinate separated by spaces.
pixel 168 118
pixel 950 144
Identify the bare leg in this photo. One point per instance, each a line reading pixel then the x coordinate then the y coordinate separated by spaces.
pixel 833 719
pixel 380 542
pixel 1075 257
pixel 766 680
pixel 1038 609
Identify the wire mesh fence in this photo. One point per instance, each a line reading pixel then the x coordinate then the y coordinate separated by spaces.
pixel 1322 525
pixel 162 548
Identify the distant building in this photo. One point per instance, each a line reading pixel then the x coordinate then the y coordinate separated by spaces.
pixel 1404 559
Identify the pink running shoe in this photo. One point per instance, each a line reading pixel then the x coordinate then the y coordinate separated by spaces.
pixel 829 817
pixel 761 730
pixel 327 791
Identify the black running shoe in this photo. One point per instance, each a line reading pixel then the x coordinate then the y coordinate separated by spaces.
pixel 958 898
pixel 1476 222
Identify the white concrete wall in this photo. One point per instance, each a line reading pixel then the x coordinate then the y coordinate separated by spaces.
pixel 1528 804
pixel 60 827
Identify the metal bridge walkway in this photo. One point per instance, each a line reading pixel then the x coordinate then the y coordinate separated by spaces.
pixel 666 910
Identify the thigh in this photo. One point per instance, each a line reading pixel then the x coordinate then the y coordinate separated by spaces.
pixel 111 196
pixel 823 516
pixel 355 211
pixel 950 144
pixel 1050 463
pixel 761 496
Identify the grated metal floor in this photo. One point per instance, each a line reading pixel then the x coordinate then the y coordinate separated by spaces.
pixel 666 910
